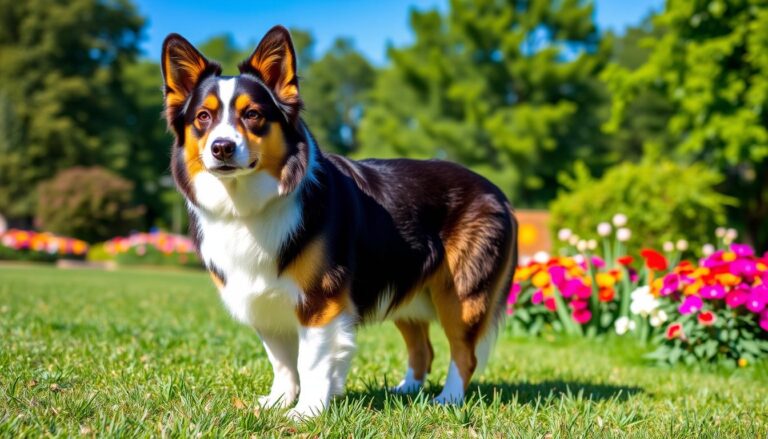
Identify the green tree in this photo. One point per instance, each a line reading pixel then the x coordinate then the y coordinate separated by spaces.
pixel 506 87
pixel 61 94
pixel 711 63
pixel 334 90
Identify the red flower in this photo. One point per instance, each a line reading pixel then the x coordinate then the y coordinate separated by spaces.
pixel 606 294
pixel 625 260
pixel 674 331
pixel 653 259
pixel 707 318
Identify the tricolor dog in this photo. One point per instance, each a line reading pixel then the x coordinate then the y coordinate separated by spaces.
pixel 305 246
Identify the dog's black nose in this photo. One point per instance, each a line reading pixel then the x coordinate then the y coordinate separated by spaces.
pixel 223 149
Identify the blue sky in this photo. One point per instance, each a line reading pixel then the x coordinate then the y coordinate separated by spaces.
pixel 371 24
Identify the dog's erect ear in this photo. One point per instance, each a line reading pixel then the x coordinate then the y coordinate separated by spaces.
pixel 183 67
pixel 274 62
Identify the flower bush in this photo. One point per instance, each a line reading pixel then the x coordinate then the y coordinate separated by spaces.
pixel 154 248
pixel 719 307
pixel 715 310
pixel 26 245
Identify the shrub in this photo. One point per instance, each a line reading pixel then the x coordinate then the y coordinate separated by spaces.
pixel 664 201
pixel 89 203
pixel 155 248
pixel 29 246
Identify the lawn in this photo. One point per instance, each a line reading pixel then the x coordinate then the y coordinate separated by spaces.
pixel 151 353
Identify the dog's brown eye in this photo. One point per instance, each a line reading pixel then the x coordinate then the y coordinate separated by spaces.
pixel 203 116
pixel 252 114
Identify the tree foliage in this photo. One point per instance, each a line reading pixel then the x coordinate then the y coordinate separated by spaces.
pixel 61 94
pixel 505 87
pixel 711 64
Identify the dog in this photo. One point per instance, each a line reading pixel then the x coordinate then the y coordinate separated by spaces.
pixel 305 246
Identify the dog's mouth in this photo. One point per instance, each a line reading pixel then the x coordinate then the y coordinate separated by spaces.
pixel 230 169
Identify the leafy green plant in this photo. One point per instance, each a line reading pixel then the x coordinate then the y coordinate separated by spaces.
pixel 92 204
pixel 663 201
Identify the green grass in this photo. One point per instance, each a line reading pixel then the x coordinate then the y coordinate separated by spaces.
pixel 143 353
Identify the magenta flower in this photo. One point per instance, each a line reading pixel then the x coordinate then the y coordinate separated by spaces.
pixel 671 283
pixel 513 293
pixel 744 267
pixel 570 288
pixel 582 316
pixel 762 292
pixel 755 302
pixel 712 292
pixel 742 250
pixel 736 298
pixel 597 262
pixel 764 320
pixel 557 273
pixel 550 303
pixel 690 305
pixel 578 305
pixel 538 297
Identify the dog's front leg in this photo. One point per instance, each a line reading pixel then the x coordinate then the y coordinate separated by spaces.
pixel 282 350
pixel 324 356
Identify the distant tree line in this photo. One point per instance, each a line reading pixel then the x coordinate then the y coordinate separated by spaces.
pixel 523 92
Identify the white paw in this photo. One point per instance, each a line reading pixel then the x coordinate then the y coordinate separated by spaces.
pixel 445 398
pixel 407 386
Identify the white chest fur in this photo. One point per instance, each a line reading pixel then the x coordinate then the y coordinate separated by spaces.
pixel 245 250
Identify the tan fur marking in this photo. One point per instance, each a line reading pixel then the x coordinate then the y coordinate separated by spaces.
pixel 242 102
pixel 270 149
pixel 420 352
pixel 192 151
pixel 216 280
pixel 306 269
pixel 211 102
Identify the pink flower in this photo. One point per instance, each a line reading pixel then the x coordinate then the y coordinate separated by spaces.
pixel 578 305
pixel 597 262
pixel 744 267
pixel 557 273
pixel 675 330
pixel 671 283
pixel 712 292
pixel 736 298
pixel 513 293
pixel 582 316
pixel 755 302
pixel 690 305
pixel 550 303
pixel 537 298
pixel 764 320
pixel 742 250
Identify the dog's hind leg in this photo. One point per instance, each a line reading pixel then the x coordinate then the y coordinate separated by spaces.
pixel 420 355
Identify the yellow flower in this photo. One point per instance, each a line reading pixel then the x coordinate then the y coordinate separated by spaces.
pixel 693 288
pixel 605 280
pixel 728 279
pixel 541 279
pixel 742 362
pixel 729 256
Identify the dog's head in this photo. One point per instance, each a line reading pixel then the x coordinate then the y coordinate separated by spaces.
pixel 232 127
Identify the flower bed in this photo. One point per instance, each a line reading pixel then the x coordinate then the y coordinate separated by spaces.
pixel 155 248
pixel 714 310
pixel 25 245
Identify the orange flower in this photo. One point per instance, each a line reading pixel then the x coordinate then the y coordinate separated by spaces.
pixel 541 279
pixel 606 294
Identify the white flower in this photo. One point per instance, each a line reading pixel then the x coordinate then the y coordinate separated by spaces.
pixel 579 259
pixel 623 234
pixel 643 303
pixel 658 317
pixel 541 257
pixel 574 239
pixel 668 246
pixel 682 245
pixel 581 245
pixel 604 229
pixel 623 325
pixel 619 220
pixel 720 232
pixel 564 234
pixel 591 244
pixel 707 249
pixel 731 234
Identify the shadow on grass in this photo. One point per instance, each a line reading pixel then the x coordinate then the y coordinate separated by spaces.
pixel 514 393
